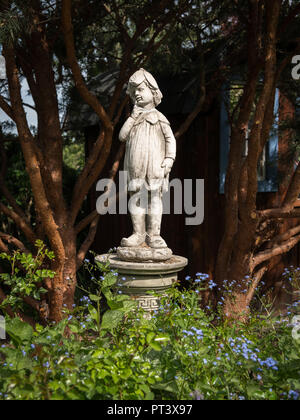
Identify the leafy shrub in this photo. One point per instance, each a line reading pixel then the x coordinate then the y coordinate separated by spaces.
pixel 181 352
pixel 26 276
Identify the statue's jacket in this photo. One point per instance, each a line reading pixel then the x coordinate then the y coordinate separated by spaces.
pixel 148 143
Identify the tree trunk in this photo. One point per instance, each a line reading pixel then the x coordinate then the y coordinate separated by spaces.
pixel 236 250
pixel 70 268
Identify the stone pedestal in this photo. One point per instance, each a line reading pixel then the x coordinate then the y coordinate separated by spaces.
pixel 138 278
pixel 144 254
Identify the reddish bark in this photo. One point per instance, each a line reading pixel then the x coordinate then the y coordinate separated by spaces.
pixel 43 153
pixel 235 258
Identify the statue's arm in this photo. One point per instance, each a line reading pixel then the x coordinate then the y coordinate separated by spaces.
pixel 129 123
pixel 125 130
pixel 170 148
pixel 170 141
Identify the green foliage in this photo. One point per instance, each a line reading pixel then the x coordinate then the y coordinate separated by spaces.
pixel 11 25
pixel 27 275
pixel 179 352
pixel 74 157
pixel 19 331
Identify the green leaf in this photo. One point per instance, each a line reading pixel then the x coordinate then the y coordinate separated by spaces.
pixel 163 338
pixel 95 298
pixel 111 319
pixel 107 293
pixel 109 280
pixel 148 394
pixel 155 346
pixel 93 313
pixel 150 337
pixel 254 391
pixel 122 302
pixel 19 331
pixel 170 386
pixel 74 329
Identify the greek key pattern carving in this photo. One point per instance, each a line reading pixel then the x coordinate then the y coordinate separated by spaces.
pixel 148 303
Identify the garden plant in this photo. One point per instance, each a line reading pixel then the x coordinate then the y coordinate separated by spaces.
pixel 106 348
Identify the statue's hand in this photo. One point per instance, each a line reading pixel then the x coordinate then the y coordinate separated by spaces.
pixel 167 164
pixel 136 112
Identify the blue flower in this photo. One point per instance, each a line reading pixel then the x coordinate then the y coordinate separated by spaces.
pixel 294 395
pixel 270 363
pixel 187 332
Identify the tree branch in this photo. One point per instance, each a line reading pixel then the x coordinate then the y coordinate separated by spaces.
pixel 283 237
pixel 12 240
pixel 80 190
pixel 87 243
pixel 104 139
pixel 94 216
pixel 7 194
pixel 279 213
pixel 118 20
pixel 285 247
pixel 88 97
pixel 258 276
pixel 3 247
pixel 86 221
pixel 6 108
pixel 188 121
pixel 20 222
pixel 32 164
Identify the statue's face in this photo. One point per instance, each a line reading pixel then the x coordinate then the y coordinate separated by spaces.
pixel 143 95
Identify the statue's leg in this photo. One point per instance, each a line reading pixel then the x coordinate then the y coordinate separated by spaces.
pixel 154 216
pixel 138 214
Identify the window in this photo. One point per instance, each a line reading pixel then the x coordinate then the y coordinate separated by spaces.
pixel 267 165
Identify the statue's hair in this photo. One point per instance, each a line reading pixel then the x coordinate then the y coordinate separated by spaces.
pixel 139 77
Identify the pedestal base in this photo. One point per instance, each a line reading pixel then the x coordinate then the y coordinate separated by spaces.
pixel 144 254
pixel 138 278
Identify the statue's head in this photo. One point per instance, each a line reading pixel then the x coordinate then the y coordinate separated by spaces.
pixel 138 78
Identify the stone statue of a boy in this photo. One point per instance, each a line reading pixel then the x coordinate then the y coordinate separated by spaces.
pixel 149 157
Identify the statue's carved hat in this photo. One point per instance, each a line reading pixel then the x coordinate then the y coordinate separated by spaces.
pixel 139 77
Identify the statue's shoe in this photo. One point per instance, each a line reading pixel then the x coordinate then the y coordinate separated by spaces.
pixel 136 239
pixel 156 241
